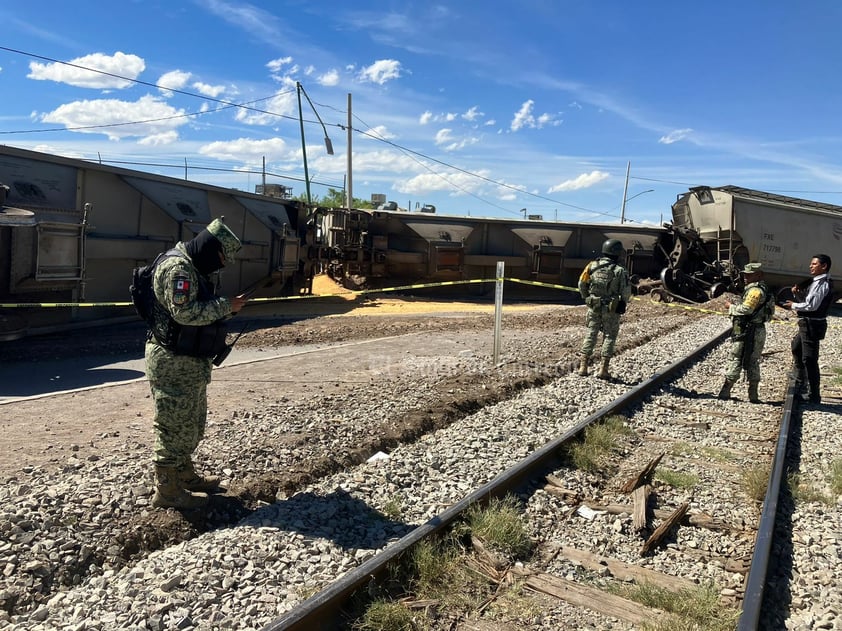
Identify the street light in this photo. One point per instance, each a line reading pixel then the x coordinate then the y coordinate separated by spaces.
pixel 623 211
pixel 328 144
pixel 523 210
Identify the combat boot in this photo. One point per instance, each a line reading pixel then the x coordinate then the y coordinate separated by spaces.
pixel 170 494
pixel 752 391
pixel 603 369
pixel 725 390
pixel 192 481
pixel 583 365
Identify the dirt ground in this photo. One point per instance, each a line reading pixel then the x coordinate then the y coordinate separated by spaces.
pixel 44 431
pixel 47 432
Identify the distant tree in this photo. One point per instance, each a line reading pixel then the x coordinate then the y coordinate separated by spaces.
pixel 334 198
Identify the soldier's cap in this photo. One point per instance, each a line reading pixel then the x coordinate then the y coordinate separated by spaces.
pixel 229 241
pixel 751 268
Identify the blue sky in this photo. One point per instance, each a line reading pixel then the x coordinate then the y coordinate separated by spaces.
pixel 480 108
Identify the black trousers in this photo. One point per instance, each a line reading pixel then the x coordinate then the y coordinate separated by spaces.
pixel 805 352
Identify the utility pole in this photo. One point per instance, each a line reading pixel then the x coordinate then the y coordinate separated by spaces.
pixel 625 192
pixel 349 189
pixel 303 144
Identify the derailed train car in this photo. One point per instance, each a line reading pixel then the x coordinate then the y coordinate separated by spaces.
pixel 374 248
pixel 71 231
pixel 716 231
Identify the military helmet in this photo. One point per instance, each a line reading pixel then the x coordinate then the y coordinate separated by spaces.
pixel 612 247
pixel 227 239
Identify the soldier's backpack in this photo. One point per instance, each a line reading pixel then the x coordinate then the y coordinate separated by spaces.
pixel 141 290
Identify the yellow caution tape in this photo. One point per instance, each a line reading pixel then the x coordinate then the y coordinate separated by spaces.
pixel 361 292
pixel 13 305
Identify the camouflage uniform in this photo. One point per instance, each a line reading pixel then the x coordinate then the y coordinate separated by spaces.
pixel 748 335
pixel 749 319
pixel 603 284
pixel 178 381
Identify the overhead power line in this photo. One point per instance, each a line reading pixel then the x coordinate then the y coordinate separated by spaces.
pixel 149 84
pixel 228 104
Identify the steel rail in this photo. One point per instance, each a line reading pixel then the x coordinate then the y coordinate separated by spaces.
pixel 322 612
pixel 756 582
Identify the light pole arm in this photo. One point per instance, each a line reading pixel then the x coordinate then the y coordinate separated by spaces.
pixel 623 212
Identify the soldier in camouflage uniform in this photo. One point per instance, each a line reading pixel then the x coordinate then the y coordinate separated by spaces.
pixel 604 285
pixel 187 332
pixel 748 335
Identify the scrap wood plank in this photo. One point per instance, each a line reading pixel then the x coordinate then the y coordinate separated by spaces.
pixel 642 476
pixel 555 486
pixel 681 408
pixel 641 498
pixel 662 530
pixel 699 520
pixel 625 571
pixel 590 597
pixel 490 557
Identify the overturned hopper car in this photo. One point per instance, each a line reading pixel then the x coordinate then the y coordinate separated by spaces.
pixel 71 231
pixel 716 231
pixel 381 248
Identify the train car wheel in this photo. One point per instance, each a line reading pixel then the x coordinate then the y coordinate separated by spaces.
pixel 716 290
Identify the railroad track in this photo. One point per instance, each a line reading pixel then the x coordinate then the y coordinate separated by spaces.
pixel 325 609
pixel 248 572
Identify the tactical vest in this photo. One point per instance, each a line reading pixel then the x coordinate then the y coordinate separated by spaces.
pixel 207 340
pixel 764 311
pixel 601 276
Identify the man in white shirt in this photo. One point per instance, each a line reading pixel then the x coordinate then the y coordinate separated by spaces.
pixel 812 311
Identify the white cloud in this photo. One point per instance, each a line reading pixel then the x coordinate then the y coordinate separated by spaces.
pixel 284 102
pixel 258 23
pixel 99 113
pixel 379 131
pixel 455 183
pixel 60 150
pixel 586 180
pixel 246 150
pixel 381 71
pixel 523 115
pixel 212 91
pixel 443 136
pixel 275 65
pixel 385 161
pixel 174 80
pixel 329 78
pixel 472 114
pixel 525 118
pixel 129 66
pixel 166 138
pixel 426 117
pixel 448 142
pixel 675 136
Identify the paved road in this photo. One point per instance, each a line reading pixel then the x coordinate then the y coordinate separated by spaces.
pixel 25 380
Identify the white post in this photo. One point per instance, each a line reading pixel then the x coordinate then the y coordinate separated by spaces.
pixel 498 310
